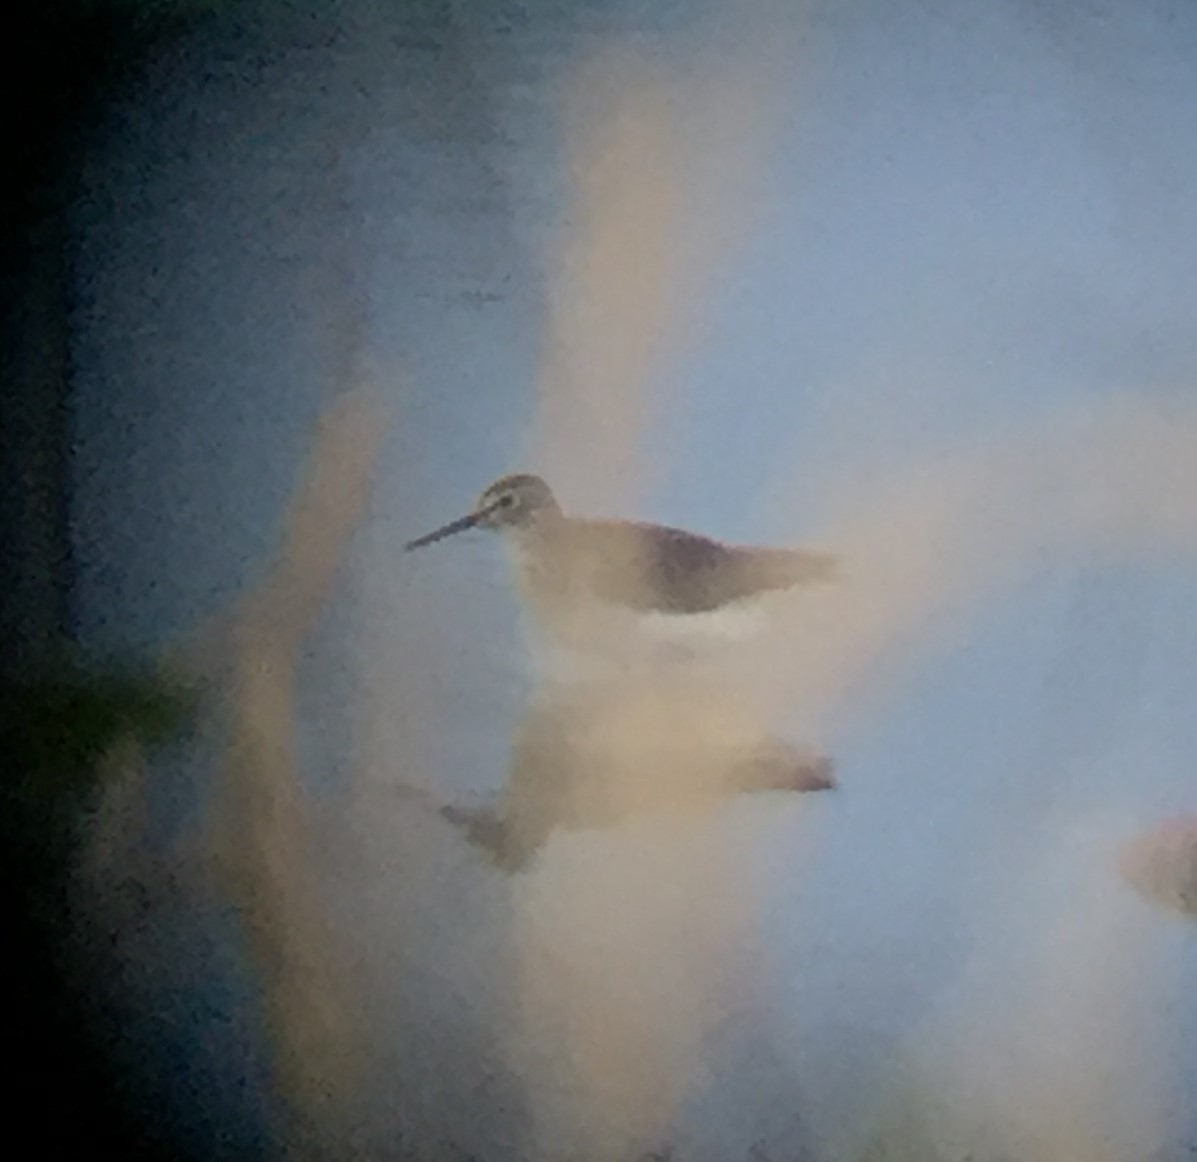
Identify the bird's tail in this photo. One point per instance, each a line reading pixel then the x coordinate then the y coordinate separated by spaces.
pixel 815 565
pixel 785 568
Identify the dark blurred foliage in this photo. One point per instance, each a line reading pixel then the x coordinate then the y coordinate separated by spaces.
pixel 55 733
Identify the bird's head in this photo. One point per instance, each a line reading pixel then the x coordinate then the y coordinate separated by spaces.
pixel 516 501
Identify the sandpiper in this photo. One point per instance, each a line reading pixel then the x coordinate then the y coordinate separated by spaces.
pixel 565 563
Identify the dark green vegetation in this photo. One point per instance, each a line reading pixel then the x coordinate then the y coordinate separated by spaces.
pixel 54 734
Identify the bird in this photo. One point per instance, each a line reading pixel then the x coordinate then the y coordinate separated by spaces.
pixel 567 563
pixel 642 740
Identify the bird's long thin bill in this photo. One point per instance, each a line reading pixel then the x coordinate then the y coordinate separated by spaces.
pixel 456 526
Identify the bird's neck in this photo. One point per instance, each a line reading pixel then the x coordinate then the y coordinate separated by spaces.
pixel 530 547
pixel 537 531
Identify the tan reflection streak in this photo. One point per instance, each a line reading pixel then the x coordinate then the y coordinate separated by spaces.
pixel 261 819
pixel 611 292
pixel 625 964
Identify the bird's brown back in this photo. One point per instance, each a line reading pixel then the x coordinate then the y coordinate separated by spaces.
pixel 647 567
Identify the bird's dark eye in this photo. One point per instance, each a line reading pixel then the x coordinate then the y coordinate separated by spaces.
pixel 506 500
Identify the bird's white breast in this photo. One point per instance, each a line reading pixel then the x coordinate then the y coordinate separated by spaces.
pixel 579 638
